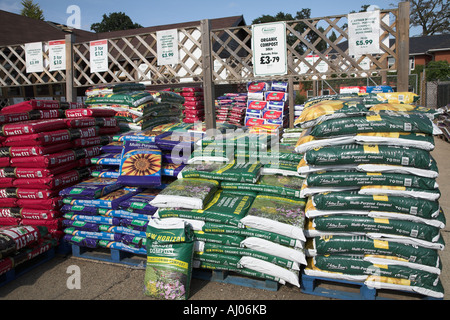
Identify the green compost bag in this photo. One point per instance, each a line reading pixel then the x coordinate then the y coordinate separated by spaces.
pixel 132 99
pixel 375 154
pixel 363 245
pixel 388 122
pixel 224 208
pixel 234 171
pixel 288 186
pixel 356 266
pixel 353 201
pixel 240 141
pixel 355 179
pixel 170 250
pixel 363 224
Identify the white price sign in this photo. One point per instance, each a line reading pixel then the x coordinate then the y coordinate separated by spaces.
pixel 269 49
pixel 33 57
pixel 57 55
pixel 364 33
pixel 167 47
pixel 99 56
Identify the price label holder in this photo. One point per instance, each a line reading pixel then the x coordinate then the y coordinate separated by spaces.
pixel 269 49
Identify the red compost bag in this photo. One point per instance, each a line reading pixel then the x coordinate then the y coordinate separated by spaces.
pixel 6 182
pixel 31 105
pixel 52 182
pixel 39 139
pixel 94 141
pixel 4 162
pixel 80 122
pixel 30 151
pixel 106 122
pixel 33 126
pixel 34 173
pixel 48 160
pixel 90 112
pixel 41 204
pixel 193 104
pixel 8 202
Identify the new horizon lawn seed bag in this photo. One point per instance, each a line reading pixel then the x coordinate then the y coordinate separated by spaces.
pixel 140 165
pixel 170 250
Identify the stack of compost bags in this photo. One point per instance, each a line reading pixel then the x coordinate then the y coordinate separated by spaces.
pixel 231 108
pixel 370 180
pixel 193 106
pixel 243 221
pixel 267 103
pixel 136 108
pixel 41 157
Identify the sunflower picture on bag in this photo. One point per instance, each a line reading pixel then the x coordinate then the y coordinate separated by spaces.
pixel 141 165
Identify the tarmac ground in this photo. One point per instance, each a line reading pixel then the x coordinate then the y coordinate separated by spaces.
pixel 99 281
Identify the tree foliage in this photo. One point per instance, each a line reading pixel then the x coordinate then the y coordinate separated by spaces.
pixel 113 22
pixel 438 70
pixel 301 27
pixel 31 10
pixel 433 16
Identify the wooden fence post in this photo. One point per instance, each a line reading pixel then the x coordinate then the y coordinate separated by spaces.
pixel 71 94
pixel 207 69
pixel 403 46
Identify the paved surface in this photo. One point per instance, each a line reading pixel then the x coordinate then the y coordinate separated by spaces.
pixel 103 281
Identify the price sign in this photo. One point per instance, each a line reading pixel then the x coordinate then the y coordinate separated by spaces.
pixel 364 33
pixel 99 56
pixel 167 47
pixel 33 57
pixel 269 49
pixel 57 55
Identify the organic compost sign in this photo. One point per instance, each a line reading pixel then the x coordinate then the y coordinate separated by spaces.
pixel 269 49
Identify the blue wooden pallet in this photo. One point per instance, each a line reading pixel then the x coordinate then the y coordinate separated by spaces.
pixel 109 255
pixel 240 280
pixel 26 266
pixel 311 285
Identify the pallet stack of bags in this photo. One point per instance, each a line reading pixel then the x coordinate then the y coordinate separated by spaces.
pixel 42 156
pixel 136 108
pixel 373 213
pixel 244 221
pixel 231 108
pixel 267 103
pixel 111 209
pixel 193 106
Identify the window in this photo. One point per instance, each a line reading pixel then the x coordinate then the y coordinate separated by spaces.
pixel 412 63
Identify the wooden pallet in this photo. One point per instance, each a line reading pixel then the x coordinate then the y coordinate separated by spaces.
pixel 27 266
pixel 234 278
pixel 114 256
pixel 352 290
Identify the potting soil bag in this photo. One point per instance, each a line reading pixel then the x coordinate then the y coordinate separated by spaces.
pixel 414 140
pixel 114 88
pixel 186 193
pixel 140 203
pixel 91 189
pixel 234 171
pixel 329 109
pixel 374 154
pixel 110 200
pixel 399 97
pixel 392 122
pixel 90 112
pixel 334 201
pixel 361 224
pixel 408 108
pixel 81 241
pixel 170 250
pixel 408 255
pixel 224 208
pixel 33 126
pixel 32 104
pixel 140 164
pixel 39 139
pixel 131 99
pixel 277 214
pixel 93 235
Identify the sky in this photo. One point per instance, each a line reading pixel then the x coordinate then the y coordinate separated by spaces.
pixel 152 13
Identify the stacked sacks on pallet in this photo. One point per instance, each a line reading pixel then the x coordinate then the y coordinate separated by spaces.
pixel 194 106
pixel 231 107
pixel 236 229
pixel 267 103
pixel 45 156
pixel 373 211
pixel 19 244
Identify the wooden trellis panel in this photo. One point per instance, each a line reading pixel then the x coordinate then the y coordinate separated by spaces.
pixel 13 68
pixel 238 66
pixel 134 59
